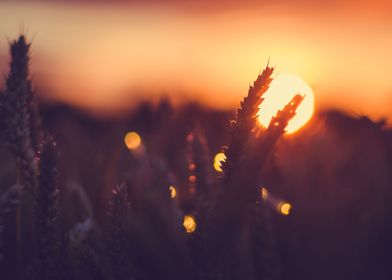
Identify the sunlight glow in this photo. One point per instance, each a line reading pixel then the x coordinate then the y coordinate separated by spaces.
pixel 189 224
pixel 284 208
pixel 283 88
pixel 173 192
pixel 132 140
pixel 218 159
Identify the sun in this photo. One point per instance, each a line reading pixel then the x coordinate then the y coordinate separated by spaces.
pixel 282 89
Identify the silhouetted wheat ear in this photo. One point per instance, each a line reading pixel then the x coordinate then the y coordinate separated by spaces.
pixel 279 122
pixel 19 66
pixel 245 122
pixel 266 255
pixel 233 213
pixel 263 146
pixel 229 213
pixel 249 107
pixel 48 192
pixel 16 109
pixel 19 73
pixel 47 263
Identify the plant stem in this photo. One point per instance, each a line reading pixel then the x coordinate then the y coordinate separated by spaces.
pixel 18 228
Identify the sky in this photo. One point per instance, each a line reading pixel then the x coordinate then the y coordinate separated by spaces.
pixel 106 56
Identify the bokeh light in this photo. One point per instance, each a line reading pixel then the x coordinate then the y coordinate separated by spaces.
pixel 192 167
pixel 189 224
pixel 173 191
pixel 192 179
pixel 218 159
pixel 132 140
pixel 264 193
pixel 190 137
pixel 284 208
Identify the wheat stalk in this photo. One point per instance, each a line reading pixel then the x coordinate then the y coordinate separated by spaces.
pixel 47 210
pixel 245 122
pixel 8 202
pixel 16 108
pixel 246 155
pixel 117 255
pixel 15 103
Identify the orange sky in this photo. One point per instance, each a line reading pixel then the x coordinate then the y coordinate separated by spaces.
pixel 103 56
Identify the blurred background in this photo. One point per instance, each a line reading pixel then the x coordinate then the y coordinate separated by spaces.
pixel 104 55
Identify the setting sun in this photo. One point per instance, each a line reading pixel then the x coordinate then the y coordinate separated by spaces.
pixel 283 88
